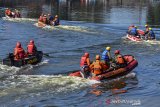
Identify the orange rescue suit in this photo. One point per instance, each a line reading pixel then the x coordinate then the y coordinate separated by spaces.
pixel 97 67
pixel 8 12
pixel 84 61
pixel 120 59
pixel 19 53
pixel 31 48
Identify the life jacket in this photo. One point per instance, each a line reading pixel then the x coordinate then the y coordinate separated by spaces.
pixel 83 61
pixel 51 18
pixel 152 35
pixel 19 53
pixel 120 59
pixel 97 67
pixel 133 31
pixel 56 22
pixel 6 12
pixel 105 56
pixel 30 49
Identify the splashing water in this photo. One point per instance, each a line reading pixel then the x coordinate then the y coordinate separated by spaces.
pixel 7 70
pixel 19 19
pixel 66 27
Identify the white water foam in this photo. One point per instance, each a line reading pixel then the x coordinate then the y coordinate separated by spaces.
pixel 41 83
pixel 19 19
pixel 149 42
pixel 66 27
pixel 130 75
pixel 14 70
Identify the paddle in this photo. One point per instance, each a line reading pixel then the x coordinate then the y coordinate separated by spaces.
pixel 45 54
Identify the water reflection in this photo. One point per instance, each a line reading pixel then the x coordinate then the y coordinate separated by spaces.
pixel 100 11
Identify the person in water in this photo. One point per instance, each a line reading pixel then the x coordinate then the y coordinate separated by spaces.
pixel 84 65
pixel 56 20
pixel 98 67
pixel 150 35
pixel 106 56
pixel 19 52
pixel 147 29
pixel 31 48
pixel 119 59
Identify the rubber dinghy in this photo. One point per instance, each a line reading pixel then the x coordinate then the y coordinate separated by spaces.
pixel 33 60
pixel 136 38
pixel 131 64
pixel 8 17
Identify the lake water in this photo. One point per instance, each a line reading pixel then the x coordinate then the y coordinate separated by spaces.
pixel 86 26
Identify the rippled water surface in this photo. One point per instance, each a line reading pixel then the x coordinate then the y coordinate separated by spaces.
pixel 86 25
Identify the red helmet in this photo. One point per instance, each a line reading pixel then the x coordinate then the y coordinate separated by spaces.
pixel 86 54
pixel 18 45
pixel 31 41
pixel 132 26
pixel 116 52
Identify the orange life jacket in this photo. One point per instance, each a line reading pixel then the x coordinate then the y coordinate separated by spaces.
pixel 30 49
pixel 97 67
pixel 120 59
pixel 83 61
pixel 19 53
pixel 6 12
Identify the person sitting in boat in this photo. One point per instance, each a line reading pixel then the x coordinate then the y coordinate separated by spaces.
pixel 129 28
pixel 41 18
pixel 51 18
pixel 106 56
pixel 133 31
pixel 84 65
pixel 13 14
pixel 8 12
pixel 97 67
pixel 17 14
pixel 31 48
pixel 147 29
pixel 119 60
pixel 45 20
pixel 56 20
pixel 19 52
pixel 150 35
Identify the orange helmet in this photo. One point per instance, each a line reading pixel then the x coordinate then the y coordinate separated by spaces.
pixel 97 57
pixel 31 41
pixel 116 52
pixel 86 54
pixel 18 45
